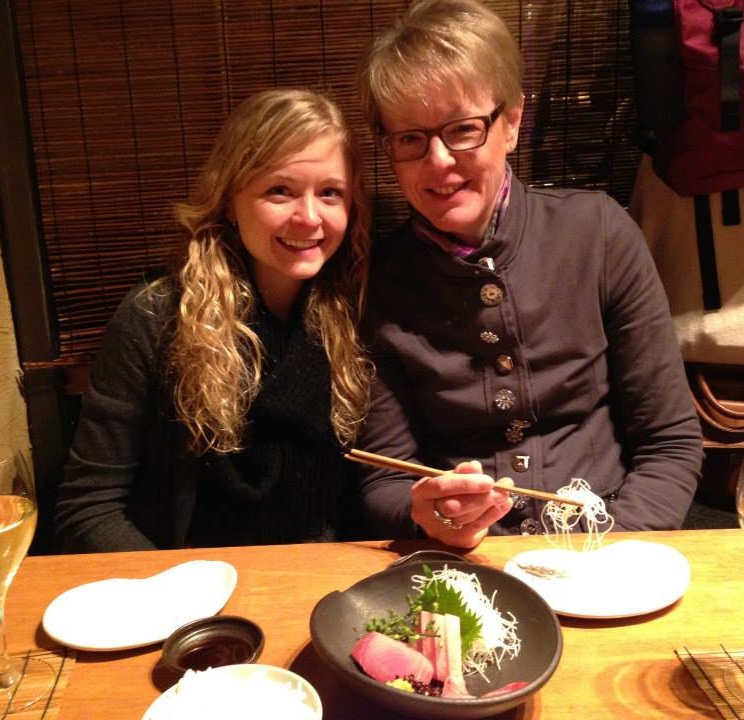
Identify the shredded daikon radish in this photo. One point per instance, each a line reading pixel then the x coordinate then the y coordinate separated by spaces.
pixel 559 519
pixel 498 632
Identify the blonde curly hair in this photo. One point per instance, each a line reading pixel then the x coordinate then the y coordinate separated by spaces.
pixel 215 358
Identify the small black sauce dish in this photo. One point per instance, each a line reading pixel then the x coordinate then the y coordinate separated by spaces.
pixel 213 642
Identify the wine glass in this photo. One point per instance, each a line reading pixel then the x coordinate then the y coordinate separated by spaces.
pixel 740 496
pixel 23 680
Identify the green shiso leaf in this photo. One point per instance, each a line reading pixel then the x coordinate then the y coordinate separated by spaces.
pixel 439 597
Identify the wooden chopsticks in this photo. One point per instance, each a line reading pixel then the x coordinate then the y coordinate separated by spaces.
pixel 368 458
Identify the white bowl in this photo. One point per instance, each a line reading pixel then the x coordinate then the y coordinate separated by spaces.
pixel 236 692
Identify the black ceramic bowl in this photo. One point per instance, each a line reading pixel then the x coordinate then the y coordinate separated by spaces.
pixel 213 642
pixel 339 619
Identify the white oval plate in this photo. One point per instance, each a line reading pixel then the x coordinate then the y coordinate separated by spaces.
pixel 124 613
pixel 624 579
pixel 263 689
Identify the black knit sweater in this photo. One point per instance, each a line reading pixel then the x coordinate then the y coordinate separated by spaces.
pixel 131 484
pixel 282 487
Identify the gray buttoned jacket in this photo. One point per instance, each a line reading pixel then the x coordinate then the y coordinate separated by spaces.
pixel 548 354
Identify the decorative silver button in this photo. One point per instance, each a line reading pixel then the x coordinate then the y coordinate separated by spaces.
pixel 489 337
pixel 491 294
pixel 488 263
pixel 530 526
pixel 520 463
pixel 519 502
pixel 514 433
pixel 504 364
pixel 504 399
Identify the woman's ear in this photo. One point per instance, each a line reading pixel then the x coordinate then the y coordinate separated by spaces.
pixel 512 121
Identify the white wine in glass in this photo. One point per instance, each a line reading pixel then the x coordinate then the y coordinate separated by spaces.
pixel 23 680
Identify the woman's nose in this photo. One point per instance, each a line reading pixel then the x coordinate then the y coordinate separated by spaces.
pixel 307 212
pixel 439 153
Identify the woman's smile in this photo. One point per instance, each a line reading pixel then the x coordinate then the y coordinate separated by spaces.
pixel 447 191
pixel 296 244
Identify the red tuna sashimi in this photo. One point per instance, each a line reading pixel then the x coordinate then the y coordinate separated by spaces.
pixel 385 659
pixel 505 689
pixel 444 651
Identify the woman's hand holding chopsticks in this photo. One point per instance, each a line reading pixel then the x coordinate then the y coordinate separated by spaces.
pixel 458 507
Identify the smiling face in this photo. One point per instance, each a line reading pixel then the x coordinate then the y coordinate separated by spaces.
pixel 292 218
pixel 455 191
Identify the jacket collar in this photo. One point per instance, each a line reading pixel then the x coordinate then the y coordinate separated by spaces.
pixel 501 239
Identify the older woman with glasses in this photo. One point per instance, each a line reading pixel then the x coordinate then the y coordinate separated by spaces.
pixel 517 331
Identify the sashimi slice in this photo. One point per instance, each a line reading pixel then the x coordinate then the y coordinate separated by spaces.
pixel 430 643
pixel 505 689
pixel 454 683
pixel 385 659
pixel 442 646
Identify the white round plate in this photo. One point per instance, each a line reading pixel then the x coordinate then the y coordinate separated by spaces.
pixel 124 613
pixel 268 691
pixel 624 579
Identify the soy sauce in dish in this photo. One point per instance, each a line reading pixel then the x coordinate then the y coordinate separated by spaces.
pixel 216 652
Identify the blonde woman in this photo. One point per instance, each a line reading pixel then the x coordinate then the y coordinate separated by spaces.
pixel 224 394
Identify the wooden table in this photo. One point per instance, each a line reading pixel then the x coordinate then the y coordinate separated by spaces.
pixel 609 669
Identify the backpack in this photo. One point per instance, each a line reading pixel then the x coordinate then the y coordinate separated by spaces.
pixel 689 72
pixel 688 62
pixel 704 153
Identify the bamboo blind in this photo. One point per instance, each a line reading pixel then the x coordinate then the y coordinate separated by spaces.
pixel 125 97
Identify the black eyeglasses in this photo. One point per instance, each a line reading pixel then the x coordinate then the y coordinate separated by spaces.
pixel 464 134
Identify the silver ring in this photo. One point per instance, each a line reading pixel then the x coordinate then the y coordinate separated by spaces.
pixel 447 522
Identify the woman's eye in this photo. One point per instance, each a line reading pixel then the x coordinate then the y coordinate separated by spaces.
pixel 332 192
pixel 465 129
pixel 280 190
pixel 407 139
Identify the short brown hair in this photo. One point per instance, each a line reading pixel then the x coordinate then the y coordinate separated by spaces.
pixel 438 41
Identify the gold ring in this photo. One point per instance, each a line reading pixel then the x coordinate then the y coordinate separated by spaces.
pixel 447 522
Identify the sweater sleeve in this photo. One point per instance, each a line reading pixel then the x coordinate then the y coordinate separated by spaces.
pixel 95 499
pixel 661 433
pixel 386 494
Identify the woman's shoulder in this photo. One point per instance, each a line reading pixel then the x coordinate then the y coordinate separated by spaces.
pixel 149 300
pixel 588 197
pixel 594 211
pixel 144 313
pixel 132 345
